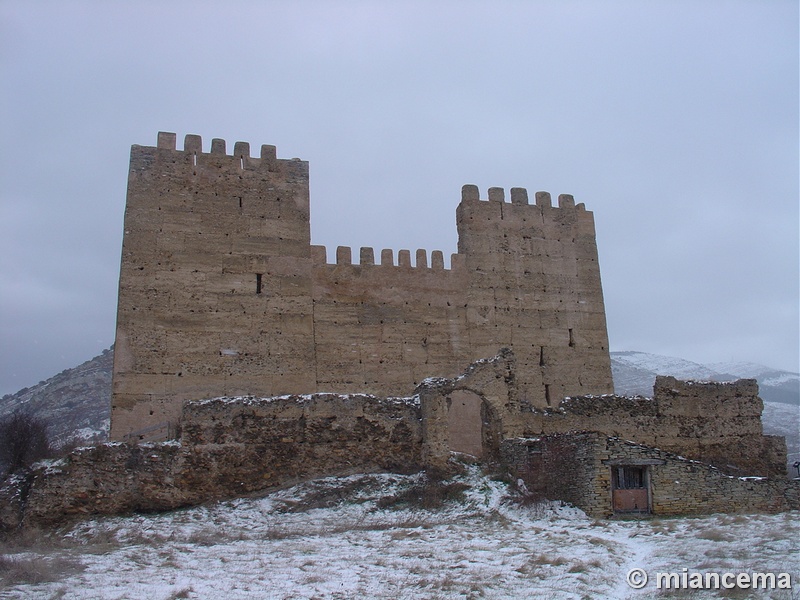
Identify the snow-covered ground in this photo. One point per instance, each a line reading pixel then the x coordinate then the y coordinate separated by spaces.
pixel 355 537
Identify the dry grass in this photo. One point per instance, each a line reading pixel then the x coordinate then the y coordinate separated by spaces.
pixel 715 535
pixel 429 494
pixel 15 570
pixel 544 559
pixel 583 566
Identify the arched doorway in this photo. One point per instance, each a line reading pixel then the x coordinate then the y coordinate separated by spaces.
pixel 465 423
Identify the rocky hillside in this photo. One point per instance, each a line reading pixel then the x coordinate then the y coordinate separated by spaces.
pixel 76 403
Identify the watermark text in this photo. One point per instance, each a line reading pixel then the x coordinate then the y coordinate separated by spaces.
pixel 705 580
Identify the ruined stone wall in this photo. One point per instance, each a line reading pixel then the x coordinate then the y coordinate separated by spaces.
pixel 492 384
pixel 298 436
pixel 221 293
pixel 716 423
pixel 228 447
pixel 684 487
pixel 231 446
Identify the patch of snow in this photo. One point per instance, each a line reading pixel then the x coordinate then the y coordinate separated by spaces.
pixel 168 443
pixel 301 399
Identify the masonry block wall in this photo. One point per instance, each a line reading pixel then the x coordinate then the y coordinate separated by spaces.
pixel 320 433
pixel 222 293
pixel 233 446
pixel 684 487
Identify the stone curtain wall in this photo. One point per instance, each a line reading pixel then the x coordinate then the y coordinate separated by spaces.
pixel 228 447
pixel 232 446
pixel 318 433
pixel 384 328
pixel 221 292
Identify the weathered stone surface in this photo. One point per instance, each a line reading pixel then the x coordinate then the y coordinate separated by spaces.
pixel 717 423
pixel 222 295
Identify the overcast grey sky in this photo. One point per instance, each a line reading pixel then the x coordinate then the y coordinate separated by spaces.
pixel 676 123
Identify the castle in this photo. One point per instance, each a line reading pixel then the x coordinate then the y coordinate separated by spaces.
pixel 245 361
pixel 222 293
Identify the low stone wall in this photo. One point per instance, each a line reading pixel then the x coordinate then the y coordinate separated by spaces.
pixel 317 433
pixel 229 447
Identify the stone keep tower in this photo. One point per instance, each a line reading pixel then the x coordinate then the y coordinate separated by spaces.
pixel 202 231
pixel 222 293
pixel 534 283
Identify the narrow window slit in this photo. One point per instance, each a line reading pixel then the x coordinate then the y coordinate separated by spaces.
pixel 571 339
pixel 258 283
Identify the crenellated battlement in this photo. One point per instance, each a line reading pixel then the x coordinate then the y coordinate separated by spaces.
pixel 366 258
pixel 222 292
pixel 519 197
pixel 241 158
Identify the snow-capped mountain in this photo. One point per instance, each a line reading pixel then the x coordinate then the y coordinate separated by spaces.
pixel 635 373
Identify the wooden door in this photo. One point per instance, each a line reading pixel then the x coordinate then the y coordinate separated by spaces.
pixel 630 489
